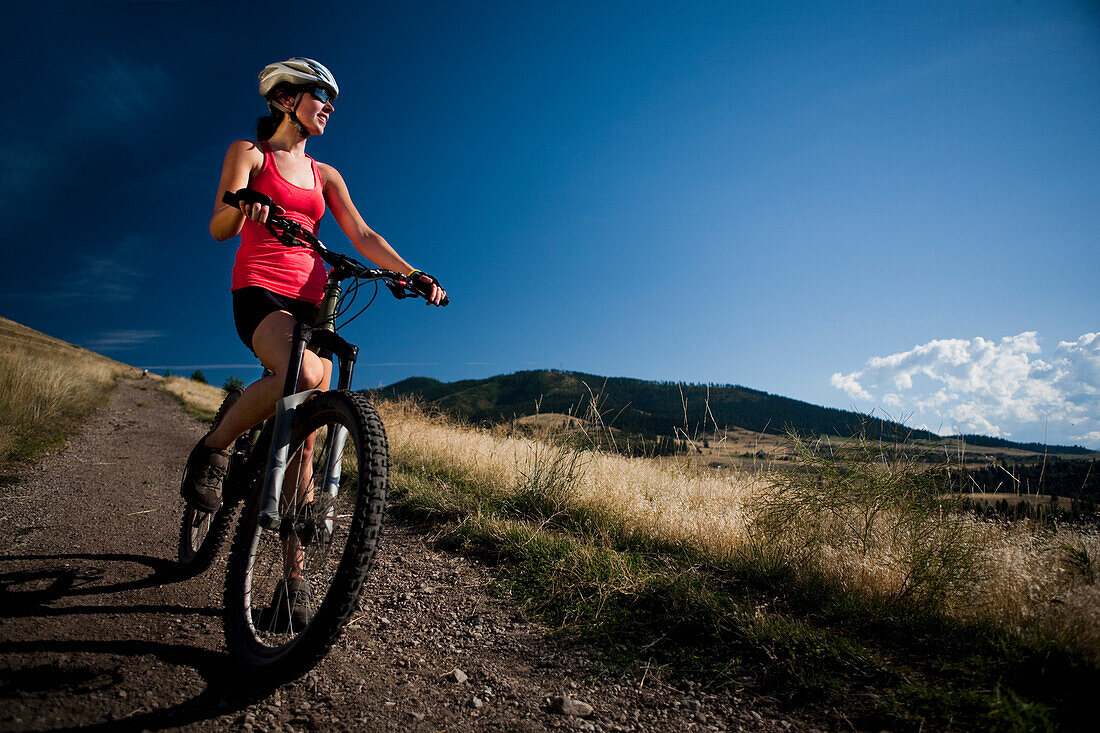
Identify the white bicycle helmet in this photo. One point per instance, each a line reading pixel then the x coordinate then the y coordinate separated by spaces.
pixel 297 71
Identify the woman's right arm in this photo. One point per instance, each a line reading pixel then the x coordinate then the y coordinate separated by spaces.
pixel 243 158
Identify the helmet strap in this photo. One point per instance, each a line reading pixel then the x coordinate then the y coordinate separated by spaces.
pixel 291 112
pixel 294 116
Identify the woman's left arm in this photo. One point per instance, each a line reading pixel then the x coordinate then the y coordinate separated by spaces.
pixel 366 240
pixel 371 244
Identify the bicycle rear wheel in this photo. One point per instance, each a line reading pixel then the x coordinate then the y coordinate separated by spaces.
pixel 289 592
pixel 202 534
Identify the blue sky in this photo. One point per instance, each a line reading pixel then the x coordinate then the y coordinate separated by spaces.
pixel 880 206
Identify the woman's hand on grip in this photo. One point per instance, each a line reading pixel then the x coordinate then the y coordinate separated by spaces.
pixel 427 286
pixel 260 212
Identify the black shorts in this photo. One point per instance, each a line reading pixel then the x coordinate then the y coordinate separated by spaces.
pixel 253 304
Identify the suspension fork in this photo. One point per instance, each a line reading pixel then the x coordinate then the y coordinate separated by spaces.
pixel 285 408
pixel 335 440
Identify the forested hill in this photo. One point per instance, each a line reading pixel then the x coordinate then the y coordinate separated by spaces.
pixel 988 442
pixel 637 406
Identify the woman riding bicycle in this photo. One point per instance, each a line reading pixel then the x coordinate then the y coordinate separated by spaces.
pixel 274 287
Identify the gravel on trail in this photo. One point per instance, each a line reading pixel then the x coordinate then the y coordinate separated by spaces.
pixel 96 632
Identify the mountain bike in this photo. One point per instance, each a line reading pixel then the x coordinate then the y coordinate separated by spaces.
pixel 314 481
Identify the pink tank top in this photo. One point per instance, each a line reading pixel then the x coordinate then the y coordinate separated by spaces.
pixel 261 260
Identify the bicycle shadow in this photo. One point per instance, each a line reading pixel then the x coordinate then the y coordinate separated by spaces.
pixel 226 689
pixel 41 586
pixel 29 591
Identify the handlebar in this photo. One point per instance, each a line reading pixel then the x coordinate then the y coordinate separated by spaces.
pixel 292 234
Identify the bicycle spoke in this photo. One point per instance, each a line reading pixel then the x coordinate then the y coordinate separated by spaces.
pixel 293 569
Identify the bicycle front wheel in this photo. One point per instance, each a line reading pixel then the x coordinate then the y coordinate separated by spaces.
pixel 290 590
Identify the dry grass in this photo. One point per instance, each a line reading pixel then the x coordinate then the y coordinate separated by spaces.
pixel 1036 581
pixel 46 387
pixel 1044 581
pixel 200 400
pixel 670 502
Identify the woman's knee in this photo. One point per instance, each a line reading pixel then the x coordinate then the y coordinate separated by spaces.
pixel 272 343
pixel 313 374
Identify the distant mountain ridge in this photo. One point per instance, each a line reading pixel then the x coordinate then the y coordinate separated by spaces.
pixel 635 405
pixel 660 408
pixel 987 441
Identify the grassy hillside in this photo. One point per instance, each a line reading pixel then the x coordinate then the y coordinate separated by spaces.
pixel 724 427
pixel 47 387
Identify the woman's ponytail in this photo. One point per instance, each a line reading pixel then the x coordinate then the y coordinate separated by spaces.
pixel 266 126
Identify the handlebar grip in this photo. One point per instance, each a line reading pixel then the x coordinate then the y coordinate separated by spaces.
pixel 402 289
pixel 248 196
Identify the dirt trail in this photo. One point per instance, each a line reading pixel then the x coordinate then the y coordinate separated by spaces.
pixel 95 633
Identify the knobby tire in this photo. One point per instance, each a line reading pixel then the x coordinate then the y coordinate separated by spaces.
pixel 265 636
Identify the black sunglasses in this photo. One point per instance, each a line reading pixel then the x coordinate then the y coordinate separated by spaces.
pixel 321 95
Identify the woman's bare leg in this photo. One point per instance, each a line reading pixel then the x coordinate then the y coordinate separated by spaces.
pixel 272 342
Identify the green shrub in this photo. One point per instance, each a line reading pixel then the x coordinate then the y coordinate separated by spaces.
pixel 875 517
pixel 547 481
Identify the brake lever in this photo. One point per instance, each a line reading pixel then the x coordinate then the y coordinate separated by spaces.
pixel 291 233
pixel 398 290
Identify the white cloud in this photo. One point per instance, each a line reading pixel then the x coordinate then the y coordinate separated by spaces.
pixel 1003 388
pixel 122 340
pixel 848 383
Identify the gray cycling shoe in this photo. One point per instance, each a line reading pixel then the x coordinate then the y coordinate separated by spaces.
pixel 203 477
pixel 290 609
